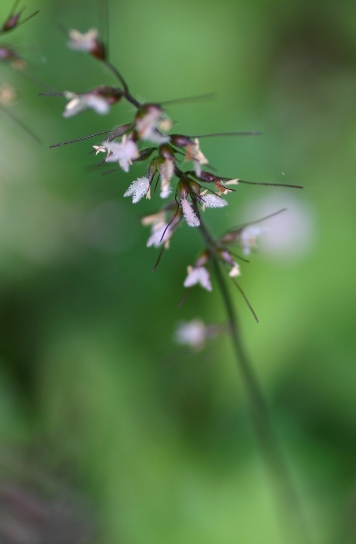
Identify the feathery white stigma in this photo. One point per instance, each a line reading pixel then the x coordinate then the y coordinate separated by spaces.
pixel 138 189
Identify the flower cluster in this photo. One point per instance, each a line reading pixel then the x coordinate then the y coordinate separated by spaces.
pixel 175 165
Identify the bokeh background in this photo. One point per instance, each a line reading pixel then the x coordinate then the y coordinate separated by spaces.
pixel 97 403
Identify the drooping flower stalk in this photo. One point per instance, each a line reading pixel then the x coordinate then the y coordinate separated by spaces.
pixel 190 189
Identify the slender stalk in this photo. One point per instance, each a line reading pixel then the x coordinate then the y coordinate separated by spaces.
pixel 127 93
pixel 259 411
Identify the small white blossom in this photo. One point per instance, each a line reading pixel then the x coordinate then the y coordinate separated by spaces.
pixel 83 42
pixel 147 125
pixel 156 137
pixel 228 259
pixel 191 333
pixel 156 236
pixel 99 149
pixel 166 171
pixel 189 214
pixel 124 152
pixel 138 189
pixel 194 153
pixel 80 102
pixel 214 201
pixel 198 275
pixel 249 235
pixel 235 271
pixel 159 227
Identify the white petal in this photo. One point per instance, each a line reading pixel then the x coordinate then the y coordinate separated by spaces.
pixel 146 126
pixel 197 168
pixel 156 237
pixel 74 106
pixel 189 214
pixel 214 201
pixel 78 103
pixel 83 42
pixel 98 104
pixel 235 271
pixel 138 189
pixel 126 151
pixel 125 164
pixel 166 171
pixel 156 137
pixel 198 275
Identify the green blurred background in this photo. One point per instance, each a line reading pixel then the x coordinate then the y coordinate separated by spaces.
pixel 93 390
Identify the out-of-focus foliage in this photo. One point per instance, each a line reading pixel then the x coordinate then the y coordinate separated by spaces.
pixel 159 441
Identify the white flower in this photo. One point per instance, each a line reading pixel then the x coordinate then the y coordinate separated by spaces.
pixel 235 271
pixel 99 149
pixel 124 152
pixel 159 228
pixel 214 201
pixel 191 333
pixel 198 275
pixel 194 154
pixel 156 236
pixel 138 189
pixel 147 124
pixel 80 102
pixel 166 170
pixel 161 231
pixel 228 259
pixel 83 42
pixel 189 214
pixel 249 235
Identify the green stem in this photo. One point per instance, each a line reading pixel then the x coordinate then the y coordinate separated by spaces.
pixel 260 414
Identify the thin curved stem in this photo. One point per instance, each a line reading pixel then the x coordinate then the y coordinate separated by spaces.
pixel 127 93
pixel 260 414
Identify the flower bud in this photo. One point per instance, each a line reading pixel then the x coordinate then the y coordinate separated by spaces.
pixel 146 153
pixel 11 22
pixel 166 151
pixel 180 141
pixel 99 51
pixel 110 94
pixel 208 177
pixel 88 42
pixel 14 20
pixel 203 258
pixel 226 257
